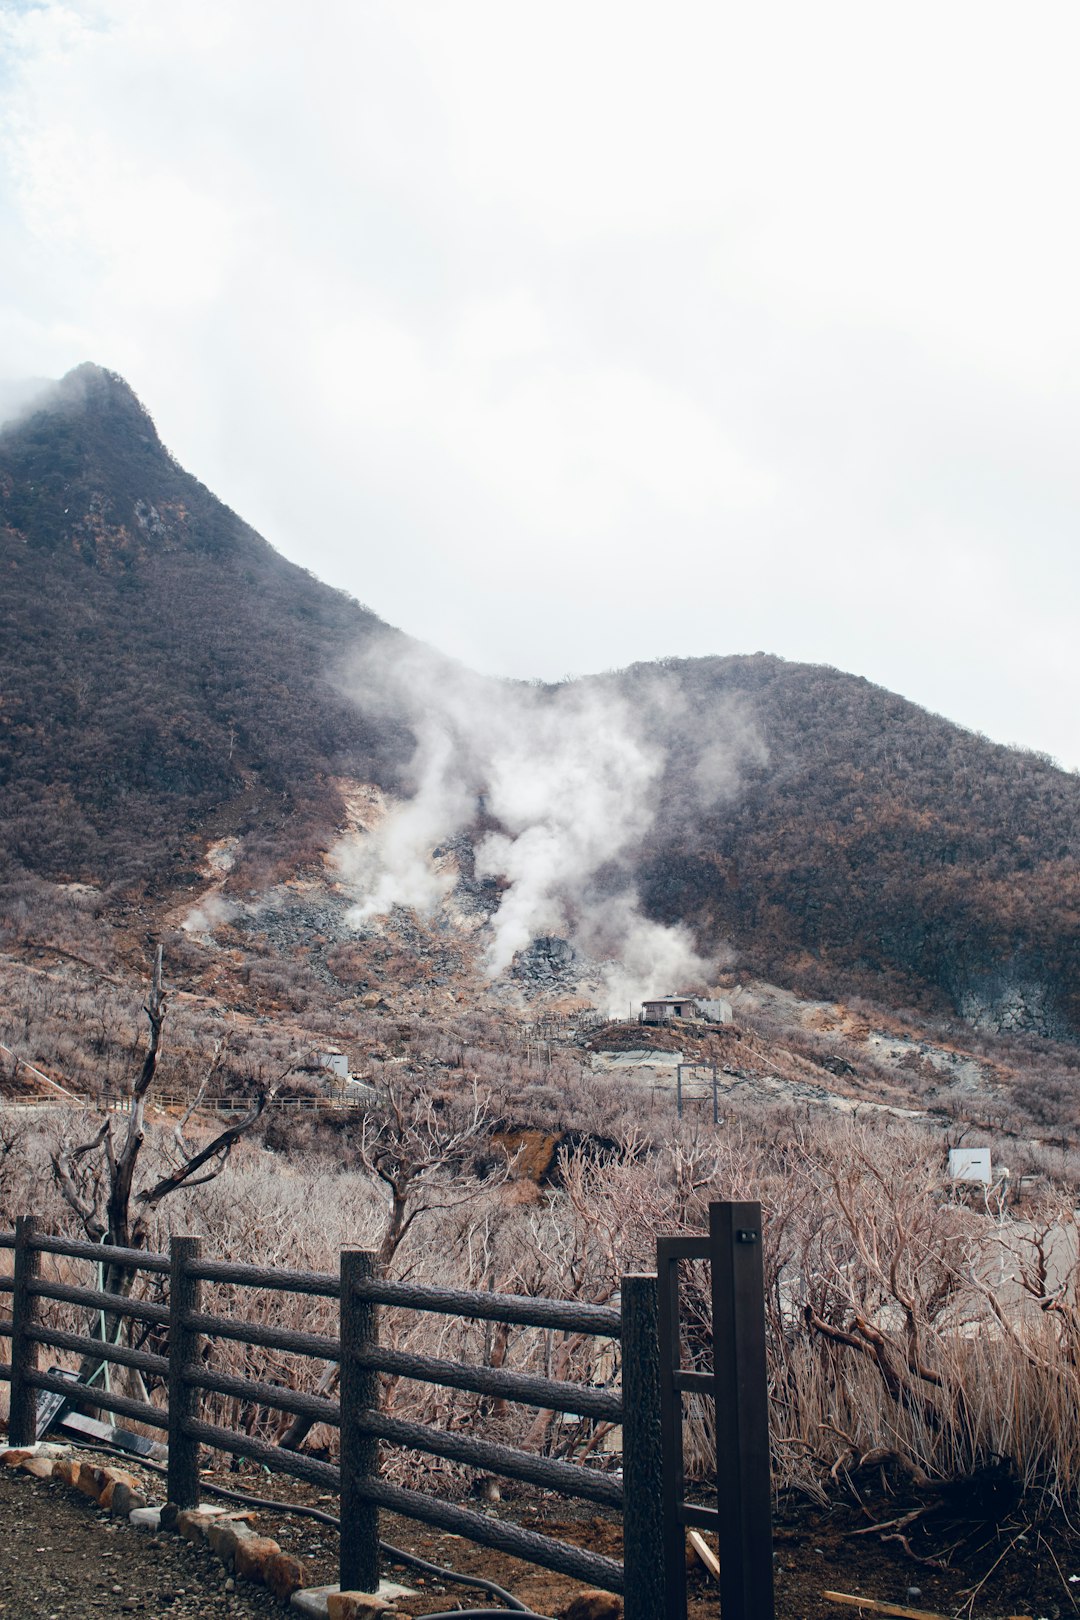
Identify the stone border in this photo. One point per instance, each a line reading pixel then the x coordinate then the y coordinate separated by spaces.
pixel 244 1554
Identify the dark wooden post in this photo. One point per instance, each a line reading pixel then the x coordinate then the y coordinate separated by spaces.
pixel 360 1564
pixel 744 1488
pixel 643 1516
pixel 671 1425
pixel 184 1293
pixel 22 1413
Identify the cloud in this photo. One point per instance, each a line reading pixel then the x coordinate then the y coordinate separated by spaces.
pixel 575 337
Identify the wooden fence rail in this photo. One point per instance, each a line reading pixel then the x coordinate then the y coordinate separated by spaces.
pixel 360 1292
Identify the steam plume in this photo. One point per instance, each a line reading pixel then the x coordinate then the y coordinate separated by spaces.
pixel 563 784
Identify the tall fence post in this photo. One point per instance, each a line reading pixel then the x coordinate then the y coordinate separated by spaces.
pixel 22 1412
pixel 643 1516
pixel 184 1296
pixel 671 1426
pixel 744 1487
pixel 359 1567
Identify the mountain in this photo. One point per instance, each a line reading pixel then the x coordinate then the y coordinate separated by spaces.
pixel 162 669
pixel 168 680
pixel 880 845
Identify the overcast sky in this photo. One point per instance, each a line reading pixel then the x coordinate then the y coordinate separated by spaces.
pixel 565 335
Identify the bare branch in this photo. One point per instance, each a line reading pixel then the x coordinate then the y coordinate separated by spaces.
pixel 219 1149
pixel 220 1048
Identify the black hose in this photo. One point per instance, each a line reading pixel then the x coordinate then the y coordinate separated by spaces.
pixel 396 1555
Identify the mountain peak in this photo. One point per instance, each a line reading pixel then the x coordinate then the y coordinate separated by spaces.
pixel 95 391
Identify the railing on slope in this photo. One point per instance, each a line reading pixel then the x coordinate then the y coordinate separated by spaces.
pixel 360 1291
pixel 122 1103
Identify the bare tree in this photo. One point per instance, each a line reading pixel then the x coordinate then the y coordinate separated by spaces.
pixel 98 1179
pixel 425 1155
pixel 424 1151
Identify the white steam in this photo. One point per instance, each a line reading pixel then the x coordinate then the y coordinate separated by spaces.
pixel 562 784
pixel 212 911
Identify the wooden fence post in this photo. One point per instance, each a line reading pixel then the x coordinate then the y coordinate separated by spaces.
pixel 671 1432
pixel 184 1296
pixel 22 1412
pixel 643 1517
pixel 359 1558
pixel 743 1481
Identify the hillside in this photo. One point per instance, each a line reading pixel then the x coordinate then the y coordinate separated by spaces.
pixel 879 844
pixel 168 682
pixel 163 671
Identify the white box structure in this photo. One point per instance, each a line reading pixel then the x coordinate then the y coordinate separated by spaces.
pixel 970 1164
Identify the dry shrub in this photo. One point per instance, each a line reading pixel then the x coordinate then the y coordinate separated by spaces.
pixel 903 1321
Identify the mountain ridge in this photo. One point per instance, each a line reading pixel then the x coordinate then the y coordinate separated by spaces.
pixel 168 679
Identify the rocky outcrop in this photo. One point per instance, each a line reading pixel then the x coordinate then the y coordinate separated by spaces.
pixel 1005 1004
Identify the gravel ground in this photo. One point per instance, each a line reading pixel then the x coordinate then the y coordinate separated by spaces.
pixel 59 1555
pixel 57 1549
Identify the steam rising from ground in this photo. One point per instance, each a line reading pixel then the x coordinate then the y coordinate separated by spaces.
pixel 558 786
pixel 211 912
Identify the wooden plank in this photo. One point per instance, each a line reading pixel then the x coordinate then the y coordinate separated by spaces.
pixel 705 1553
pixel 875 1606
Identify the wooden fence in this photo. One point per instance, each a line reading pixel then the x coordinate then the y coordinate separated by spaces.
pixel 360 1291
pixel 122 1103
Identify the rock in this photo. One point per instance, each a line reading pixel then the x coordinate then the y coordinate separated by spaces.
pixel 91 1480
pixel 145 1518
pixel 314 1601
pixel 223 1536
pixel 123 1500
pixel 68 1470
pixel 40 1467
pixel 194 1524
pixel 170 1513
pixel 284 1574
pixel 593 1605
pixel 311 1601
pixel 356 1605
pixel 253 1553
pixel 17 1455
pixel 113 1477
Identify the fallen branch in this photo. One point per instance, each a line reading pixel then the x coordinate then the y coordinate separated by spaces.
pixel 900 1523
